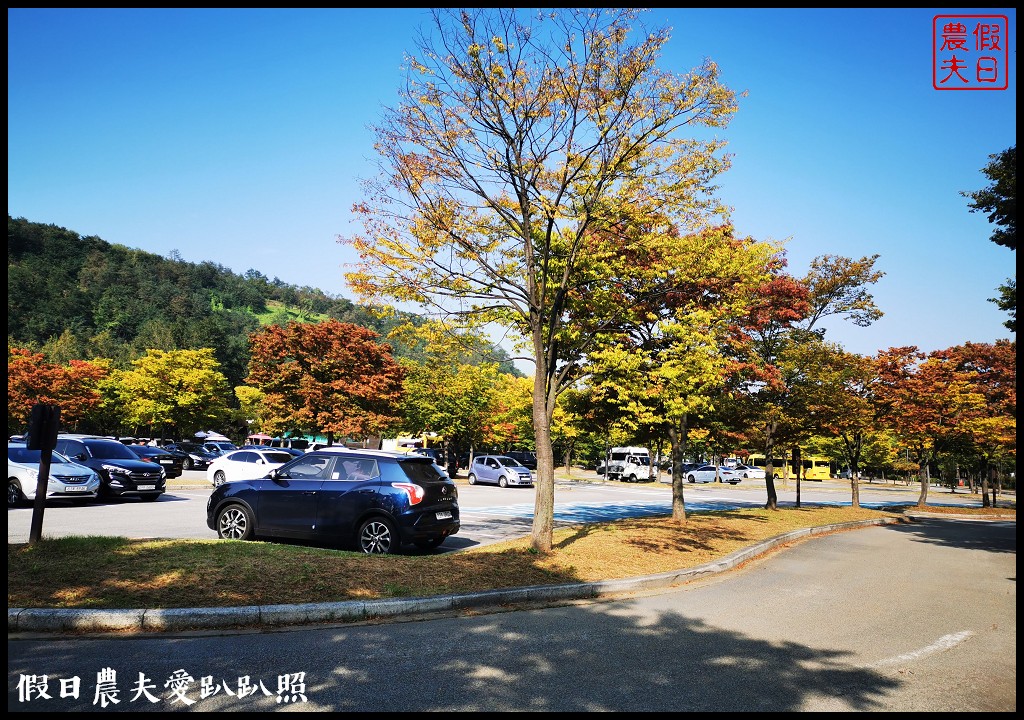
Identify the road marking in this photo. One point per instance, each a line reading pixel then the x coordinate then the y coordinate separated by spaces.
pixel 943 643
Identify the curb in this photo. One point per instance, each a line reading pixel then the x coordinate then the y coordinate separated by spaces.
pixel 62 620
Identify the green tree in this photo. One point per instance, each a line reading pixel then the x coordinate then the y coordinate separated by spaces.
pixel 999 202
pixel 446 395
pixel 838 286
pixel 518 175
pixel 183 390
pixel 838 393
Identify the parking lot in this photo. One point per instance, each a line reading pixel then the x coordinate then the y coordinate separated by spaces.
pixel 488 513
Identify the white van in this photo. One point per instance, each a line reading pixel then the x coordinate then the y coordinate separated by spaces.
pixel 629 464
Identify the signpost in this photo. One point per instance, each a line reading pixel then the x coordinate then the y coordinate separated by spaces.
pixel 42 435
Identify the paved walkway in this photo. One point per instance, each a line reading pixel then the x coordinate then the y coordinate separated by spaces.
pixel 37 620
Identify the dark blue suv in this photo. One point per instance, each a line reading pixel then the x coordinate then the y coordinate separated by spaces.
pixel 374 499
pixel 122 473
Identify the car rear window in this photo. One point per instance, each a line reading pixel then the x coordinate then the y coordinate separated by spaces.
pixel 421 470
pixel 278 457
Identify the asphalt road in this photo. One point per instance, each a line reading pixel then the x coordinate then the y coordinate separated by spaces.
pixel 902 618
pixel 489 513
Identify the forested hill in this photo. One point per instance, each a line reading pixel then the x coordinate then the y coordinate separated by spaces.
pixel 76 297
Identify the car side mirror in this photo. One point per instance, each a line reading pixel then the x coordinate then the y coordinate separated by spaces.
pixel 274 474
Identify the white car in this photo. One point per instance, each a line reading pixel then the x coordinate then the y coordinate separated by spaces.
pixel 68 480
pixel 246 464
pixel 708 473
pixel 749 471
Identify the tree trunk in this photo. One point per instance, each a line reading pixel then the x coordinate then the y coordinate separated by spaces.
pixel 984 484
pixel 798 464
pixel 544 497
pixel 772 502
pixel 678 438
pixel 922 475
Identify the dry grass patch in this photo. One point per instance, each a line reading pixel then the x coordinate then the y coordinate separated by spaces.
pixel 100 572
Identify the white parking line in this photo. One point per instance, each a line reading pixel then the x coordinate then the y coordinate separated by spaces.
pixel 943 643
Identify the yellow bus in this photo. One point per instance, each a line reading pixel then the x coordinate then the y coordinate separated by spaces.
pixel 815 467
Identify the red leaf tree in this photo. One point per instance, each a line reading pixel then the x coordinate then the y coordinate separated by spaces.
pixel 31 379
pixel 329 377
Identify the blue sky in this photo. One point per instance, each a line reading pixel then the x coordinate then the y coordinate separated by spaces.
pixel 240 137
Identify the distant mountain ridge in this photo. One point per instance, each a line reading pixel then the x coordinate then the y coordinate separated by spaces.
pixel 77 297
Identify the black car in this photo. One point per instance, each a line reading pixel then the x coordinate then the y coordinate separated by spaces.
pixel 295 452
pixel 122 473
pixel 171 461
pixel 196 456
pixel 374 499
pixel 523 457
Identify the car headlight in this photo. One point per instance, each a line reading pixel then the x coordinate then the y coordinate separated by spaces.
pixel 116 470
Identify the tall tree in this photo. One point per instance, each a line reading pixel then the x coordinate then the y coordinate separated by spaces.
pixel 669 364
pixel 760 388
pixel 449 397
pixel 926 401
pixel 329 377
pixel 31 379
pixel 838 394
pixel 786 317
pixel 519 173
pixel 991 369
pixel 838 286
pixel 180 389
pixel 999 201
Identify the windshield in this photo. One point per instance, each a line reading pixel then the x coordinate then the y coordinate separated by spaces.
pixel 509 462
pixel 32 457
pixel 110 450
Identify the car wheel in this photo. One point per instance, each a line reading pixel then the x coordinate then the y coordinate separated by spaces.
pixel 378 536
pixel 632 478
pixel 234 522
pixel 691 478
pixel 502 481
pixel 14 495
pixel 219 478
pixel 472 479
pixel 186 464
pixel 428 543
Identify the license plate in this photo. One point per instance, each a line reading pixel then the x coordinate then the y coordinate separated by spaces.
pixel 444 515
pixel 75 488
pixel 166 462
pixel 147 487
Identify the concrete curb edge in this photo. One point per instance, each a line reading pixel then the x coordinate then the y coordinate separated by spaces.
pixel 61 620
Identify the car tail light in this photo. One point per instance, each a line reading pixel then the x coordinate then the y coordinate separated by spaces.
pixel 415 492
